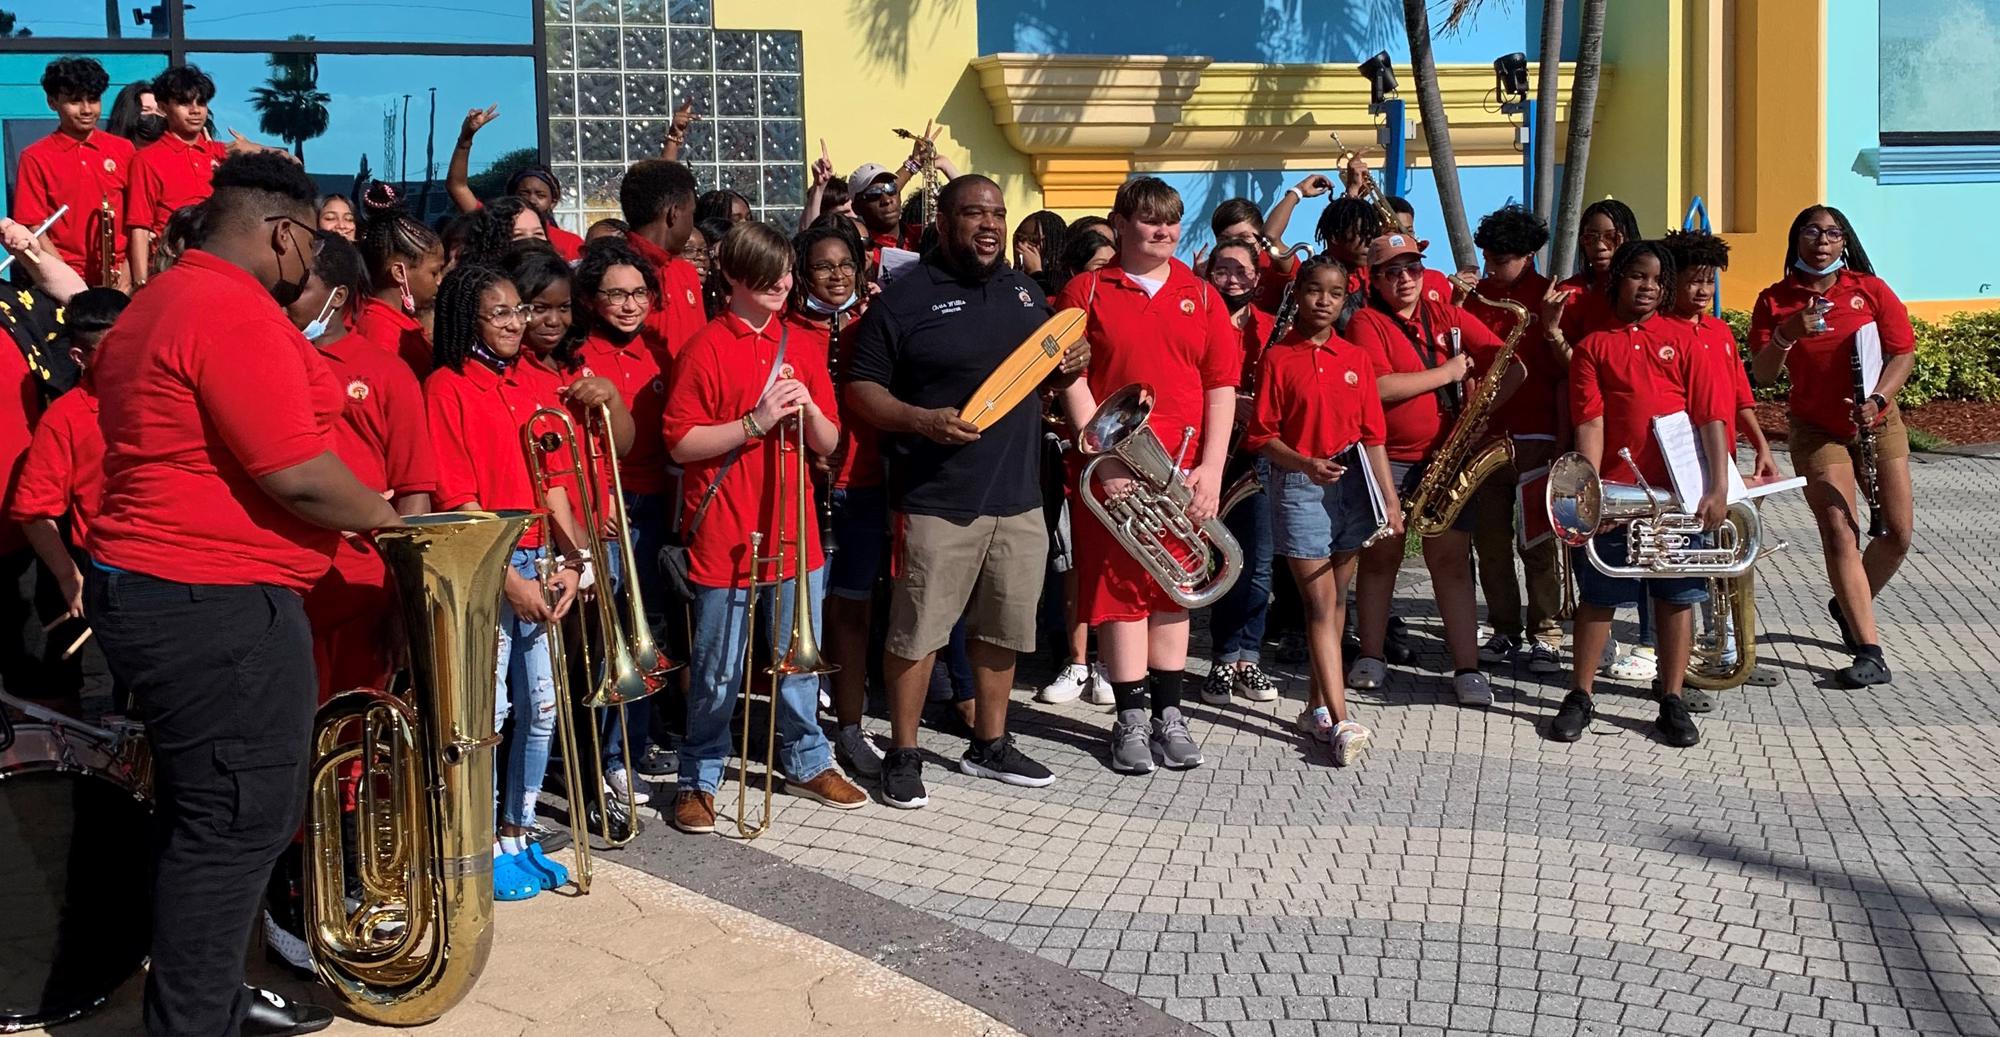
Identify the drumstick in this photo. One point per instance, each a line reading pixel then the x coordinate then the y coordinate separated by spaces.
pixel 54 623
pixel 38 232
pixel 78 643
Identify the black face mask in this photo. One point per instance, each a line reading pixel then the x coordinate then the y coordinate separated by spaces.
pixel 1237 300
pixel 284 292
pixel 149 128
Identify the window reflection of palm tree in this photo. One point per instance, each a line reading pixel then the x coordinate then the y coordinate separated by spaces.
pixel 290 105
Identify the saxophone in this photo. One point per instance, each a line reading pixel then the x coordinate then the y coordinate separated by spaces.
pixel 928 164
pixel 1457 469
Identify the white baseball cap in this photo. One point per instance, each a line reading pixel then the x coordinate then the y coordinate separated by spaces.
pixel 866 176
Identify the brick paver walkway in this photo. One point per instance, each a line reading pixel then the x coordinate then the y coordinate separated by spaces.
pixel 1821 864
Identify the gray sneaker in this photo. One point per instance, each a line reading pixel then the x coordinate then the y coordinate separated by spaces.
pixel 1177 748
pixel 1131 751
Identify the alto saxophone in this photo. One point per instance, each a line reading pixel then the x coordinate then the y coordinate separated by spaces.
pixel 1464 462
pixel 928 171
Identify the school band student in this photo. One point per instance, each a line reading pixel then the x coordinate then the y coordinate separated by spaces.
pixel 658 199
pixel 1828 272
pixel 535 187
pixel 405 261
pixel 1150 320
pixel 176 169
pixel 80 166
pixel 744 395
pixel 1644 366
pixel 1318 421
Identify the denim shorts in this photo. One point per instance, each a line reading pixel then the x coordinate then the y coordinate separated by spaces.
pixel 861 536
pixel 1595 588
pixel 1409 473
pixel 1314 521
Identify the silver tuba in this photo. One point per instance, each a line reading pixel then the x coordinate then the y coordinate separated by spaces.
pixel 1195 565
pixel 1662 541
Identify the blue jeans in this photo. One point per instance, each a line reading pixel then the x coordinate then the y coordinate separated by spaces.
pixel 720 636
pixel 1236 627
pixel 527 689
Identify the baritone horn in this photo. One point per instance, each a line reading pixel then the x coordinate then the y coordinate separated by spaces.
pixel 800 655
pixel 1194 564
pixel 1662 542
pixel 418 934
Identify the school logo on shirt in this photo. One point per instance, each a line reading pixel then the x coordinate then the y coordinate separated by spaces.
pixel 690 296
pixel 1026 299
pixel 1854 301
pixel 1353 379
pixel 111 165
pixel 785 371
pixel 1432 295
pixel 357 390
pixel 1187 307
pixel 1666 352
pixel 586 372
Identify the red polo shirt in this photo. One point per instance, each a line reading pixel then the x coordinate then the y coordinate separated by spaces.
pixel 1725 364
pixel 60 170
pixel 63 472
pixel 1179 341
pixel 633 370
pixel 1588 310
pixel 860 442
pixel 677 314
pixel 476 416
pixel 718 379
pixel 1255 332
pixel 382 436
pixel 168 174
pixel 205 387
pixel 1437 286
pixel 567 245
pixel 30 316
pixel 1821 366
pixel 397 333
pixel 1533 408
pixel 1417 425
pixel 1632 373
pixel 1317 398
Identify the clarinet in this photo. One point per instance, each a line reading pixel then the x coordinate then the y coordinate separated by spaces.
pixel 1864 449
pixel 827 540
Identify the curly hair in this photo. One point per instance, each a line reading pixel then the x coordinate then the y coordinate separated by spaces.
pixel 1856 256
pixel 598 259
pixel 492 229
pixel 1511 230
pixel 1631 252
pixel 1693 248
pixel 653 186
pixel 455 331
pixel 72 77
pixel 1344 216
pixel 182 84
pixel 339 265
pixel 388 234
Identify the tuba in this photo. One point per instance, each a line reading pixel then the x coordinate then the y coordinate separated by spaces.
pixel 412 944
pixel 1458 468
pixel 1662 541
pixel 1195 565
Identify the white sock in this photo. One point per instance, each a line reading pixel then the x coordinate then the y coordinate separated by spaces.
pixel 499 849
pixel 511 844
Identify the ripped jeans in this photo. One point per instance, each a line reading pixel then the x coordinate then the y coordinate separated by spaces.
pixel 526 686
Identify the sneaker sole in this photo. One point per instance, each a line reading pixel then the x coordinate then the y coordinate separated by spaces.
pixel 1556 737
pixel 1147 769
pixel 1022 780
pixel 1047 699
pixel 1101 700
pixel 1484 702
pixel 1215 700
pixel 1168 761
pixel 1262 696
pixel 1545 668
pixel 907 804
pixel 694 829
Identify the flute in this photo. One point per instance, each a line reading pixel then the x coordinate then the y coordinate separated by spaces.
pixel 40 230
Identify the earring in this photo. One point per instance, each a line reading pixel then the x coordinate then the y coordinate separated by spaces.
pixel 409 301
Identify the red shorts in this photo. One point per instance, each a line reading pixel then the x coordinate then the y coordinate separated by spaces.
pixel 1112 587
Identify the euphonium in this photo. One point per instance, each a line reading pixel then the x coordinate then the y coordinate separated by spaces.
pixel 1662 542
pixel 1151 521
pixel 1457 469
pixel 416 941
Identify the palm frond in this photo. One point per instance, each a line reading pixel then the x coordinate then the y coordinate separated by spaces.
pixel 1461 14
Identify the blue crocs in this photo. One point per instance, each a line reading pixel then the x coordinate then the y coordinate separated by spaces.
pixel 514 877
pixel 538 864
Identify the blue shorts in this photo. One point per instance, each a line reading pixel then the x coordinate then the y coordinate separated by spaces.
pixel 1314 521
pixel 1409 473
pixel 861 538
pixel 1595 588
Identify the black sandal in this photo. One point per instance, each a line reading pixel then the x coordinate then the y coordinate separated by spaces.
pixel 1867 670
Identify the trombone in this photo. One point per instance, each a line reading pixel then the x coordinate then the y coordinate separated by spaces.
pixel 801 655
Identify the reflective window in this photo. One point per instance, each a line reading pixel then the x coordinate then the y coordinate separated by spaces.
pixel 447 21
pixel 1937 59
pixel 24 109
pixel 69 18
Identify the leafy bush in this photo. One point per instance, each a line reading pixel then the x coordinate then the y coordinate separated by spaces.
pixel 1958 358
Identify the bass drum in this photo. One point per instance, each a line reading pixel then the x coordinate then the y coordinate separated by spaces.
pixel 75 873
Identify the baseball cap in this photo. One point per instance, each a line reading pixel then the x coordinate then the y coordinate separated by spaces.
pixel 865 176
pixel 1389 246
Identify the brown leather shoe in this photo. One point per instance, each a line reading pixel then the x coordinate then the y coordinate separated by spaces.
pixel 694 811
pixel 831 788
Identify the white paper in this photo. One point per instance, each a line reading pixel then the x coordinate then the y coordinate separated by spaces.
pixel 1797 482
pixel 1686 464
pixel 895 263
pixel 1868 343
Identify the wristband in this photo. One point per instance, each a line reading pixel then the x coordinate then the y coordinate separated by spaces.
pixel 912 167
pixel 1881 402
pixel 751 429
pixel 1296 193
pixel 1784 344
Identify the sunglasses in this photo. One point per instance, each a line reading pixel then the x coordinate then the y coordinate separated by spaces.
pixel 878 191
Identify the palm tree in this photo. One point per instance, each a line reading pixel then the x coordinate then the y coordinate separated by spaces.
pixel 1582 111
pixel 1437 132
pixel 290 105
pixel 1545 111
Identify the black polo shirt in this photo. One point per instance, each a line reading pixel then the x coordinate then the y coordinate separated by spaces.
pixel 931 338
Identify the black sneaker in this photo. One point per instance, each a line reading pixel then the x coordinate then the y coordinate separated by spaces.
pixel 1573 718
pixel 1675 725
pixel 903 779
pixel 656 762
pixel 1869 668
pixel 273 1016
pixel 1000 761
pixel 622 827
pixel 1840 620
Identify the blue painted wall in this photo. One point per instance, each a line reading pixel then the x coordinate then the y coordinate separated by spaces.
pixel 1337 31
pixel 1905 226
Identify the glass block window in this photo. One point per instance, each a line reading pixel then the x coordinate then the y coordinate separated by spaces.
pixel 617 70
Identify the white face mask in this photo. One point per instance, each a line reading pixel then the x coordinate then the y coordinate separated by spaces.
pixel 814 304
pixel 321 323
pixel 1803 267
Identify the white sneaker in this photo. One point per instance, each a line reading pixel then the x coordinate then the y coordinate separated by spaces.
pixel 1099 691
pixel 1308 725
pixel 1350 740
pixel 620 781
pixel 1367 673
pixel 1473 689
pixel 1638 666
pixel 857 752
pixel 1067 685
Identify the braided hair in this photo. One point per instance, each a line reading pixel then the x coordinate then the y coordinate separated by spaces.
pixel 839 229
pixel 534 268
pixel 1622 220
pixel 1345 216
pixel 1351 304
pixel 1631 252
pixel 388 235
pixel 455 329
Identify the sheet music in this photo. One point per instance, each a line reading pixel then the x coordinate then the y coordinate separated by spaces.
pixel 1355 455
pixel 1868 343
pixel 1531 493
pixel 1686 464
pixel 895 263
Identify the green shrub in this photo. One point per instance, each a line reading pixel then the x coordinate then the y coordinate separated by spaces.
pixel 1958 358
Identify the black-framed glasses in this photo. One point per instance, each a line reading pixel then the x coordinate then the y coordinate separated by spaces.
pixel 620 296
pixel 312 233
pixel 1815 232
pixel 821 269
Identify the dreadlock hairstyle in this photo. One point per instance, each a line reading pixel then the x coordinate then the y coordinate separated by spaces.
pixel 1345 216
pixel 1631 252
pixel 1052 227
pixel 1622 220
pixel 1857 257
pixel 535 267
pixel 75 77
pixel 599 257
pixel 1234 211
pixel 841 230
pixel 455 331
pixel 1511 230
pixel 388 235
pixel 492 230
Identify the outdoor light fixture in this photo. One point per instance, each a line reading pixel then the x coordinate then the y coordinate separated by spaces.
pixel 1381 75
pixel 1510 75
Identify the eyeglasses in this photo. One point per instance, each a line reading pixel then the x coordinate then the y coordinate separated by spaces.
pixel 501 316
pixel 1815 232
pixel 1400 271
pixel 1592 237
pixel 312 233
pixel 621 296
pixel 822 269
pixel 878 191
